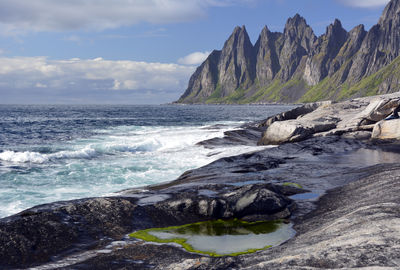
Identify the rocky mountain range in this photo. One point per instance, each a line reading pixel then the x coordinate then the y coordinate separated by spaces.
pixel 298 66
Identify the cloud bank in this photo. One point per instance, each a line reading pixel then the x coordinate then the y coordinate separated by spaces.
pixel 22 76
pixel 365 3
pixel 195 58
pixel 66 15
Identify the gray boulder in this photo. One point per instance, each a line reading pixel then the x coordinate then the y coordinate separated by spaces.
pixel 252 202
pixel 294 113
pixel 293 131
pixel 386 130
pixel 379 108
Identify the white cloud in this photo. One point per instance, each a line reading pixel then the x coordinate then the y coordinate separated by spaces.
pixel 365 3
pixel 93 74
pixel 55 15
pixel 73 38
pixel 195 58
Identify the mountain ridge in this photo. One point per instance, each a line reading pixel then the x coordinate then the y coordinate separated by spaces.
pixel 298 66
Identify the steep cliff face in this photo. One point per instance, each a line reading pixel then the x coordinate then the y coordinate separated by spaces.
pixel 237 62
pixel 321 61
pixel 204 81
pixel 298 42
pixel 297 66
pixel 267 50
pixel 381 45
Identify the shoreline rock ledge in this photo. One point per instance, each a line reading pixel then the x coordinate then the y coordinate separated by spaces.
pixel 331 150
pixel 357 118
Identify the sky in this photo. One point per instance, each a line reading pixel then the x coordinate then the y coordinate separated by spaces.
pixel 136 51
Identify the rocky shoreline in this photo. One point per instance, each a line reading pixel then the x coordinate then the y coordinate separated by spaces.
pixel 352 219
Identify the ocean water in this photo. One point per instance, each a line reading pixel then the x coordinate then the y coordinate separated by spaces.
pixel 51 153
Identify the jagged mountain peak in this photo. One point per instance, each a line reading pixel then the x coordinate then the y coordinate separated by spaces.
pixel 296 24
pixel 236 67
pixel 358 28
pixel 336 30
pixel 297 31
pixel 239 34
pixel 265 30
pixel 296 65
pixel 265 35
pixel 239 30
pixel 337 24
pixel 391 11
pixel 296 20
pixel 381 45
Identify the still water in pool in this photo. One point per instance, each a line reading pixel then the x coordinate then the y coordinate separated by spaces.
pixel 221 238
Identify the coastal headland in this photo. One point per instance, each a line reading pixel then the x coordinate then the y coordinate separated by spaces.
pixel 296 65
pixel 333 175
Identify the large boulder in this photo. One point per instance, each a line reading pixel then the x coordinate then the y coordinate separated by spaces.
pixel 386 130
pixel 379 108
pixel 295 113
pixel 251 202
pixel 293 131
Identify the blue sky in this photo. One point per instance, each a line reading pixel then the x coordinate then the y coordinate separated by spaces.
pixel 136 51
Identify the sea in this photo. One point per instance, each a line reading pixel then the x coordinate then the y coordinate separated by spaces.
pixel 62 152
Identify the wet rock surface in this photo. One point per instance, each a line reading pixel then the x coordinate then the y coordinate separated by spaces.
pixel 348 215
pixel 246 136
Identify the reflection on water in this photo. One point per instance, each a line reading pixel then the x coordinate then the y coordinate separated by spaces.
pixel 368 157
pixel 223 237
pixel 305 196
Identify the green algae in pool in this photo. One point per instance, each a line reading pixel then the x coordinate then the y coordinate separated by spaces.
pixel 290 184
pixel 221 237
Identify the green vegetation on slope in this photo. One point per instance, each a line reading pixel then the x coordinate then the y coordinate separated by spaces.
pixel 372 85
pixel 386 80
pixel 331 88
pixel 270 93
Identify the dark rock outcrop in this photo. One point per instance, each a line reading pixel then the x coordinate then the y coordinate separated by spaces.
pixel 53 231
pixel 298 66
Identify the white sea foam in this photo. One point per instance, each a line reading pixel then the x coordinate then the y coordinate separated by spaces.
pixel 23 157
pixel 151 139
pixel 35 157
pixel 87 153
pixel 115 159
